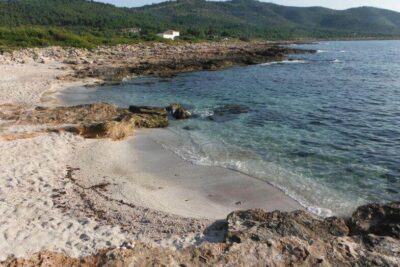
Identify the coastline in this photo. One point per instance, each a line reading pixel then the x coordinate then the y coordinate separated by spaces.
pixel 38 75
pixel 67 200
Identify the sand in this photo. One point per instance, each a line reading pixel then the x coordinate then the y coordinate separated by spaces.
pixel 32 168
pixel 33 83
pixel 150 194
pixel 146 174
pixel 31 171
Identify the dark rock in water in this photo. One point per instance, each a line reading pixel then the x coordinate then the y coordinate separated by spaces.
pixel 178 112
pixel 231 109
pixel 181 114
pixel 190 128
pixel 381 220
pixel 228 112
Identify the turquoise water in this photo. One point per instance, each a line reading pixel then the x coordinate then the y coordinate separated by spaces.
pixel 325 128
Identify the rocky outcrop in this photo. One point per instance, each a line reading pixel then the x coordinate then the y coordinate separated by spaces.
pixel 261 226
pixel 81 114
pixel 164 60
pixel 114 63
pixel 99 120
pixel 260 238
pixel 369 238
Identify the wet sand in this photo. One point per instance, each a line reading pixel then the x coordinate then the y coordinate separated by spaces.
pixel 146 174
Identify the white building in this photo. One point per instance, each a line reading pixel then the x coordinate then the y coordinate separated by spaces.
pixel 169 34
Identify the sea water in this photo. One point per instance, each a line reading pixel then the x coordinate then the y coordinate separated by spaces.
pixel 324 127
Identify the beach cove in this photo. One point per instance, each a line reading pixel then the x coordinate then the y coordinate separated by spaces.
pixel 66 194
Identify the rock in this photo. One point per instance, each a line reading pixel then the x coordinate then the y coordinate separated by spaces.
pixel 99 120
pixel 71 61
pixel 84 237
pixel 148 110
pixel 381 220
pixel 231 109
pixel 228 112
pixel 261 226
pixel 149 117
pixel 112 129
pixel 178 112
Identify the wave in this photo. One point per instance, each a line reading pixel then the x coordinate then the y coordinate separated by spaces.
pixel 294 61
pixel 200 150
pixel 322 51
pixel 203 113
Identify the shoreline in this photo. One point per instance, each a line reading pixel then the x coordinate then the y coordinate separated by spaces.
pixel 70 200
pixel 162 181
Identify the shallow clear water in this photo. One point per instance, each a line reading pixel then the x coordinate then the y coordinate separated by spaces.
pixel 325 128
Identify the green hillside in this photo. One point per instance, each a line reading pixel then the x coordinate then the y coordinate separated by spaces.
pixel 86 23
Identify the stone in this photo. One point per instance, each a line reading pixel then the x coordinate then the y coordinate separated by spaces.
pixel 261 226
pixel 228 112
pixel 377 219
pixel 113 130
pixel 178 112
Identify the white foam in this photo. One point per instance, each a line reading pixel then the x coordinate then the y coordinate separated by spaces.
pixel 203 113
pixel 320 211
pixel 314 196
pixel 295 61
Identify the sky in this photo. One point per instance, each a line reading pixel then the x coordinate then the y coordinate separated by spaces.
pixel 335 4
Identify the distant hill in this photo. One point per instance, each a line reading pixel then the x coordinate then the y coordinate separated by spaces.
pixel 200 19
pixel 254 18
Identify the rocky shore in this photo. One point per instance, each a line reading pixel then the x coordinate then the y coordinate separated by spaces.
pixel 113 64
pixel 55 214
pixel 370 237
pixel 99 120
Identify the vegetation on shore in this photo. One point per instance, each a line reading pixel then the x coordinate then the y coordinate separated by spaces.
pixel 82 23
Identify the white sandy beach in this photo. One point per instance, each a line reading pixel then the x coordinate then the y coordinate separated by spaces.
pixel 150 193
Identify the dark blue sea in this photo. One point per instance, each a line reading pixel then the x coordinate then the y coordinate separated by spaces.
pixel 325 127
